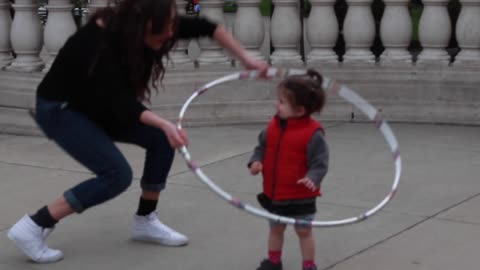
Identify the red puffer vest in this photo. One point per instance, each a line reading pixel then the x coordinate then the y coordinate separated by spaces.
pixel 285 158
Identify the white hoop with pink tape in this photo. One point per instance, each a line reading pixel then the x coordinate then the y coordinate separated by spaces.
pixel 332 88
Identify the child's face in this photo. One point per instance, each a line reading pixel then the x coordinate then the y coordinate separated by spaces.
pixel 285 109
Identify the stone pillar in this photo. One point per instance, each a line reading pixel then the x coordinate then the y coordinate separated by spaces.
pixel 434 32
pixel 26 37
pixel 359 32
pixel 396 32
pixel 322 32
pixel 285 30
pixel 5 26
pixel 95 5
pixel 211 52
pixel 249 27
pixel 468 33
pixel 179 56
pixel 60 26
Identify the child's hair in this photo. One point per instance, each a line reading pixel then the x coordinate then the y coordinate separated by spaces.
pixel 305 91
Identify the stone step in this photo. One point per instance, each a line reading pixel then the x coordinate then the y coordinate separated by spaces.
pixel 17 121
pixel 448 95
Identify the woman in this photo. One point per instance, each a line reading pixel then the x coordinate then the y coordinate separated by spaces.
pixel 91 98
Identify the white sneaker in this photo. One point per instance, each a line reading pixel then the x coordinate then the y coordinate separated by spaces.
pixel 150 229
pixel 30 238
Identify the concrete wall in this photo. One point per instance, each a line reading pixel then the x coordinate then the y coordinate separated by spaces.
pixel 432 94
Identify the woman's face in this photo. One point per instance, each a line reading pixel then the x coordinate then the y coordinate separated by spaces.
pixel 155 41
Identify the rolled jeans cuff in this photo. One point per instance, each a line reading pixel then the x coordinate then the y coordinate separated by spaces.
pixel 73 201
pixel 152 187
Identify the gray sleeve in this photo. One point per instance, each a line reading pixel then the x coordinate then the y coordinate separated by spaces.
pixel 317 158
pixel 259 149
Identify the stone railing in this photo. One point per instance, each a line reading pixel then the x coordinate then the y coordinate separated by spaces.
pixel 431 85
pixel 24 36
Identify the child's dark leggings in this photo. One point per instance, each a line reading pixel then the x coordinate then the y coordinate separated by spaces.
pixel 92 147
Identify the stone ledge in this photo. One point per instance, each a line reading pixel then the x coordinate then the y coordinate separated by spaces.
pixel 19 121
pixel 445 95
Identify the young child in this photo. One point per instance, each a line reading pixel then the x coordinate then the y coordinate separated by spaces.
pixel 293 157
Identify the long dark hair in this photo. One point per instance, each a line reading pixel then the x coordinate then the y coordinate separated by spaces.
pixel 305 91
pixel 127 22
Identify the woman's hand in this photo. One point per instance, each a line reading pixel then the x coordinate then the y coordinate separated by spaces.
pixel 226 40
pixel 177 138
pixel 261 66
pixel 252 63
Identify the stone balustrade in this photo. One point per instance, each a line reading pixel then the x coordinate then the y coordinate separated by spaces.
pixel 23 38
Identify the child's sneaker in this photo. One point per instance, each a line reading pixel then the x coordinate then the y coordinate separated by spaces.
pixel 268 265
pixel 150 229
pixel 30 238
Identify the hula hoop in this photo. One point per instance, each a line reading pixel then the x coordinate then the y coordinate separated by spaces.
pixel 331 88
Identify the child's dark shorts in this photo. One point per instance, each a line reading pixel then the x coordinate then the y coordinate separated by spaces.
pixel 304 209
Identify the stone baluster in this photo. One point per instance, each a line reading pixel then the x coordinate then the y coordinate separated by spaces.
pixel 95 5
pixel 396 32
pixel 434 32
pixel 60 25
pixel 359 32
pixel 285 30
pixel 179 54
pixel 26 37
pixel 322 32
pixel 5 26
pixel 249 28
pixel 211 52
pixel 468 33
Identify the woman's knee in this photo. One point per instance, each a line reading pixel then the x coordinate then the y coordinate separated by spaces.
pixel 125 177
pixel 169 152
pixel 120 179
pixel 161 148
pixel 156 141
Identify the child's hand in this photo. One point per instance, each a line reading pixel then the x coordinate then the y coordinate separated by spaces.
pixel 256 167
pixel 308 183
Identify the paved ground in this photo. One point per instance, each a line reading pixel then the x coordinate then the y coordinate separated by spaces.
pixel 432 224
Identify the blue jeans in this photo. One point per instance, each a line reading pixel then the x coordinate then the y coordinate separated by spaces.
pixel 95 149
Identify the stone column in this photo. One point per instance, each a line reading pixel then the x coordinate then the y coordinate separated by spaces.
pixel 359 32
pixel 5 26
pixel 396 32
pixel 468 33
pixel 26 37
pixel 179 56
pixel 95 5
pixel 211 52
pixel 60 26
pixel 434 32
pixel 322 32
pixel 285 30
pixel 249 27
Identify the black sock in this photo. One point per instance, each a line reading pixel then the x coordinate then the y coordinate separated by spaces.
pixel 43 218
pixel 146 207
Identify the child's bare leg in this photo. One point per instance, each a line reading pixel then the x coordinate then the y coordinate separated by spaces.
pixel 275 243
pixel 275 238
pixel 307 245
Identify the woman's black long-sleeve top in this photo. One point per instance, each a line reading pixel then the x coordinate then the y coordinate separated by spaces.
pixel 88 74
